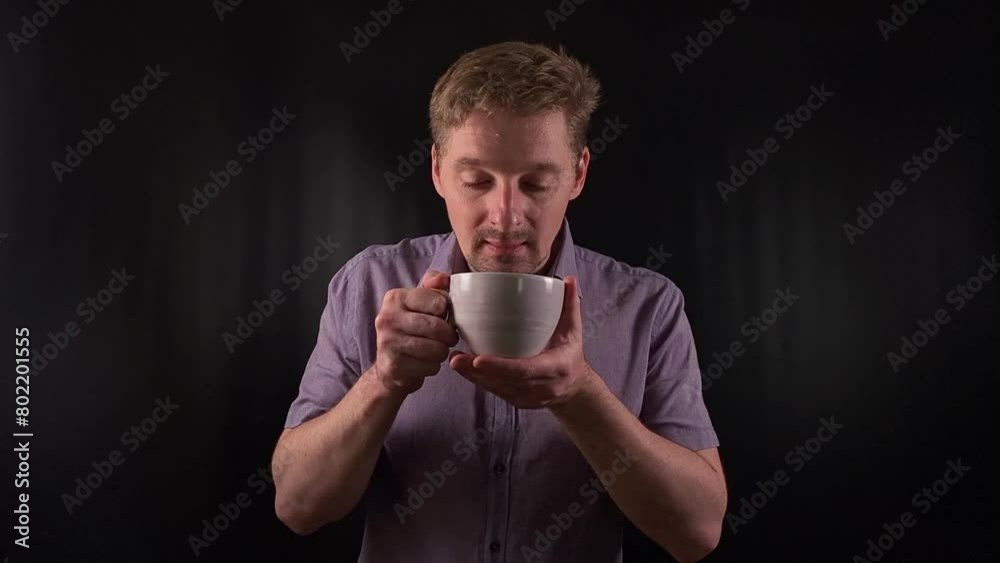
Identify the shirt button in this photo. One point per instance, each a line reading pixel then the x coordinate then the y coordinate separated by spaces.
pixel 499 468
pixel 494 546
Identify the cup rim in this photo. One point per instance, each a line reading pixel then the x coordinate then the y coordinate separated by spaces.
pixel 510 275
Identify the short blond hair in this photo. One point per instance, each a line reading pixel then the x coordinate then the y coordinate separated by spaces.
pixel 516 77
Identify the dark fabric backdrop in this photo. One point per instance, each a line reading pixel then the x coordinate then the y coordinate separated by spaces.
pixel 652 187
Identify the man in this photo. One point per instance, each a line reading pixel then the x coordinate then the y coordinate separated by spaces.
pixel 459 458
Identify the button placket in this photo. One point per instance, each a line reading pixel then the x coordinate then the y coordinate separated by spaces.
pixel 499 481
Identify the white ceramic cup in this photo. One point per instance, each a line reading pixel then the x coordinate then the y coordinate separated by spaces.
pixel 504 313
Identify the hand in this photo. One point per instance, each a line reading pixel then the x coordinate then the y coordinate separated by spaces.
pixel 412 337
pixel 547 380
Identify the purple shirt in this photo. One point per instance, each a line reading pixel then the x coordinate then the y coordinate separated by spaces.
pixel 465 477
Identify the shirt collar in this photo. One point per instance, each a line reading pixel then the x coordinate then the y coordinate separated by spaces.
pixel 449 258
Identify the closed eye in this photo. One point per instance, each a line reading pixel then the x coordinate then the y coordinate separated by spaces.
pixel 539 185
pixel 526 185
pixel 476 185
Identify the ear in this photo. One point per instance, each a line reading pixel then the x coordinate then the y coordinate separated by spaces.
pixel 436 170
pixel 581 173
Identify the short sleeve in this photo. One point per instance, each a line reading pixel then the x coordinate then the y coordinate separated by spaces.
pixel 672 405
pixel 334 366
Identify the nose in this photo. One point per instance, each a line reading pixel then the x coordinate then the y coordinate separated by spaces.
pixel 506 206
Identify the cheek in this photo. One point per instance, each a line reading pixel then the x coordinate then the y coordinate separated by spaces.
pixel 552 211
pixel 466 216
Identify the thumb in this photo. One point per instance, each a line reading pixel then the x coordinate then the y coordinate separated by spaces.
pixel 434 279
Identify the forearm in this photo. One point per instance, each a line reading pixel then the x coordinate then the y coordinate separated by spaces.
pixel 322 468
pixel 669 492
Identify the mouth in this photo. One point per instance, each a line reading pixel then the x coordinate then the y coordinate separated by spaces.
pixel 503 247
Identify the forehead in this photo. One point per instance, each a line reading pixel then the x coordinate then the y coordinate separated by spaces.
pixel 510 140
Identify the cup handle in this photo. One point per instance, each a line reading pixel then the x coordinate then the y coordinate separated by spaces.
pixel 450 316
pixel 449 313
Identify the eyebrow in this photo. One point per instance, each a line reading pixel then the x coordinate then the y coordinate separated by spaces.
pixel 469 162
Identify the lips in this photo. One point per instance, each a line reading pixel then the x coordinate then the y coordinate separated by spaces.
pixel 503 247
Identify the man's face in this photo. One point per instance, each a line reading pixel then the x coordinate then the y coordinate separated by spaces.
pixel 506 181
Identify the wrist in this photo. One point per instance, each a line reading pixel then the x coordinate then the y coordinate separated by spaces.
pixel 583 398
pixel 385 387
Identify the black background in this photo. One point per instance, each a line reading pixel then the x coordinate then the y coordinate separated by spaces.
pixel 653 186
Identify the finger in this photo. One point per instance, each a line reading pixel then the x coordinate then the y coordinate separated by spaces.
pixel 519 394
pixel 422 348
pixel 514 391
pixel 427 301
pixel 427 326
pixel 501 371
pixel 514 369
pixel 570 318
pixel 460 361
pixel 492 384
pixel 462 365
pixel 433 279
pixel 474 379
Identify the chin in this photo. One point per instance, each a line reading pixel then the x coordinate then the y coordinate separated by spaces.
pixel 494 265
